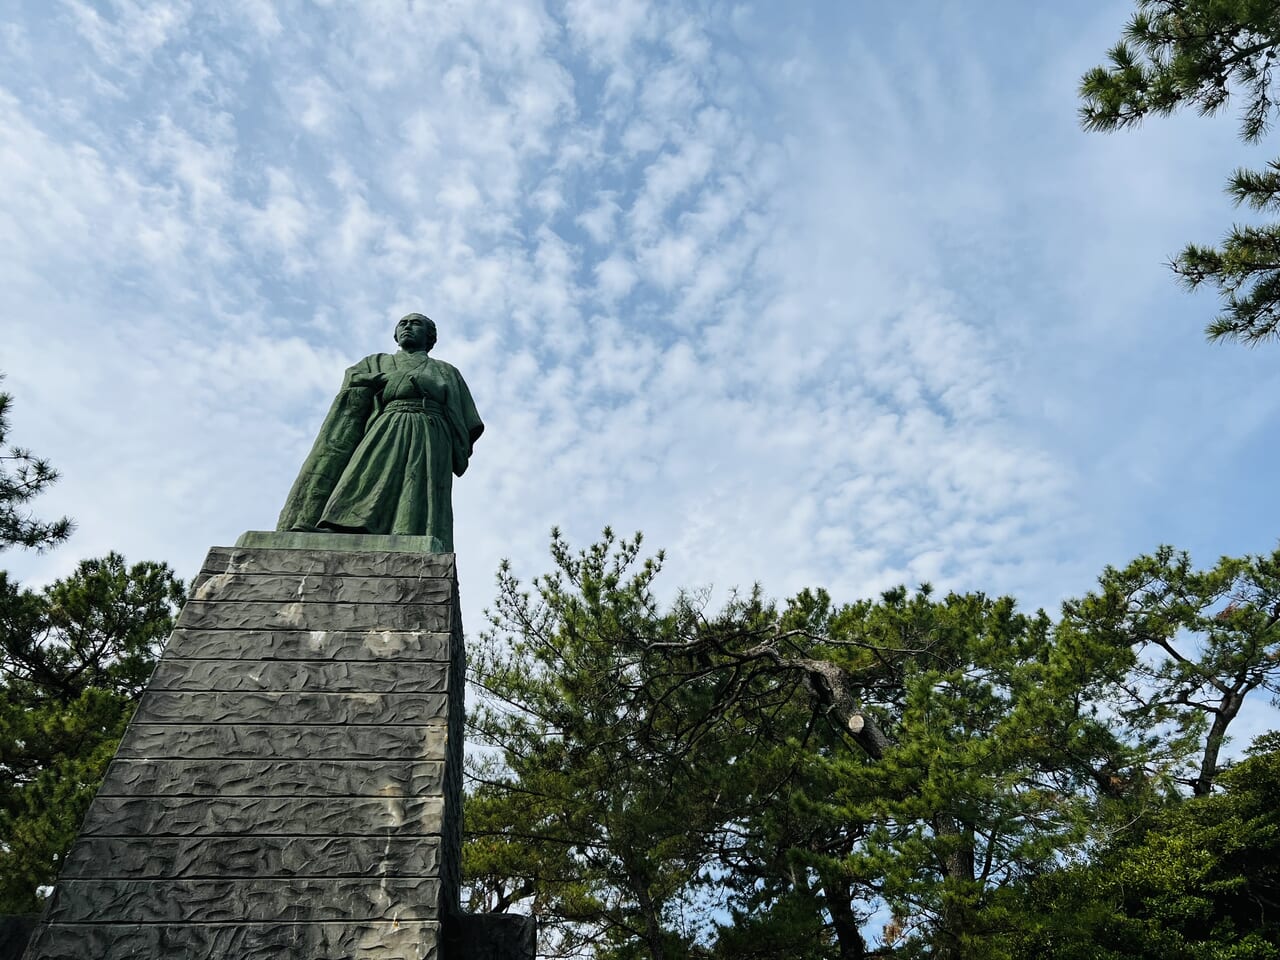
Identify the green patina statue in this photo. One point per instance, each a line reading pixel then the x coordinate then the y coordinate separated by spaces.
pixel 402 425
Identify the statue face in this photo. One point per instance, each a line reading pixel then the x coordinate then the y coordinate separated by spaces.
pixel 411 333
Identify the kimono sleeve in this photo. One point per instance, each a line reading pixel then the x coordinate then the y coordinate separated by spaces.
pixel 464 421
pixel 340 434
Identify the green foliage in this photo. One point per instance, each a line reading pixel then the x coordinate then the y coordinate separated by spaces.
pixel 98 629
pixel 74 658
pixel 1203 641
pixel 792 927
pixel 662 782
pixel 600 804
pixel 1200 878
pixel 1187 52
pixel 995 765
pixel 1198 53
pixel 22 477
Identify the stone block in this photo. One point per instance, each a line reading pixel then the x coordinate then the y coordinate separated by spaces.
pixel 384 940
pixel 282 742
pixel 308 645
pixel 290 785
pixel 257 900
pixel 344 563
pixel 258 707
pixel 263 816
pixel 318 588
pixel 140 858
pixel 288 676
pixel 230 778
pixel 299 615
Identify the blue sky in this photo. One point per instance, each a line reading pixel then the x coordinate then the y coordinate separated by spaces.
pixel 835 294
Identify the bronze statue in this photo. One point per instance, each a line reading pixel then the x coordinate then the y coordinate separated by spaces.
pixel 402 425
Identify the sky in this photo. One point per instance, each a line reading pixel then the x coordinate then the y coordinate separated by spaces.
pixel 828 294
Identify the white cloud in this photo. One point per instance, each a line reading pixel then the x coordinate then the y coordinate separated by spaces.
pixel 670 95
pixel 262 15
pixel 671 261
pixel 607 29
pixel 599 221
pixel 314 103
pixel 419 133
pixel 805 309
pixel 131 32
pixel 666 179
pixel 283 223
pixel 615 278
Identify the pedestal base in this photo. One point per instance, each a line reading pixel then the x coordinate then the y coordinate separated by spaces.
pixel 290 786
pixel 337 542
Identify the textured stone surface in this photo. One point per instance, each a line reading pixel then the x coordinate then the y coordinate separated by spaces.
pixel 290 785
pixel 303 777
pixel 373 563
pixel 240 941
pixel 206 857
pixel 255 900
pixel 342 542
pixel 301 615
pixel 318 588
pixel 409 645
pixel 285 676
pixel 263 816
pixel 258 707
pixel 282 742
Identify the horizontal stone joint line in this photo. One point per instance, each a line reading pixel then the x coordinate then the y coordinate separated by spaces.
pixel 288 628
pixel 381 921
pixel 224 878
pixel 287 922
pixel 382 834
pixel 246 660
pixel 255 724
pixel 287 601
pixel 316 760
pixel 174 795
pixel 204 576
pixel 365 758
pixel 321 574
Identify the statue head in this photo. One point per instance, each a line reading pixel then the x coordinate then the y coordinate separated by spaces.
pixel 416 331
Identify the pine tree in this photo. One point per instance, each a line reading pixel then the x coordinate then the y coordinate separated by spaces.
pixel 74 658
pixel 1200 643
pixel 22 477
pixel 1199 54
pixel 655 769
pixel 1195 878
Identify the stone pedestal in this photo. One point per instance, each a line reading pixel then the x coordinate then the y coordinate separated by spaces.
pixel 290 786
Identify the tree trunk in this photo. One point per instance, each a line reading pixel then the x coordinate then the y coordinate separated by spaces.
pixel 958 867
pixel 843 918
pixel 652 928
pixel 834 688
pixel 1203 784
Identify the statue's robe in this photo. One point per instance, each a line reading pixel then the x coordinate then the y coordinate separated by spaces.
pixel 383 459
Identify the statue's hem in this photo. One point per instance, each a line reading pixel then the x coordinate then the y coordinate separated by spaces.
pixel 344 542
